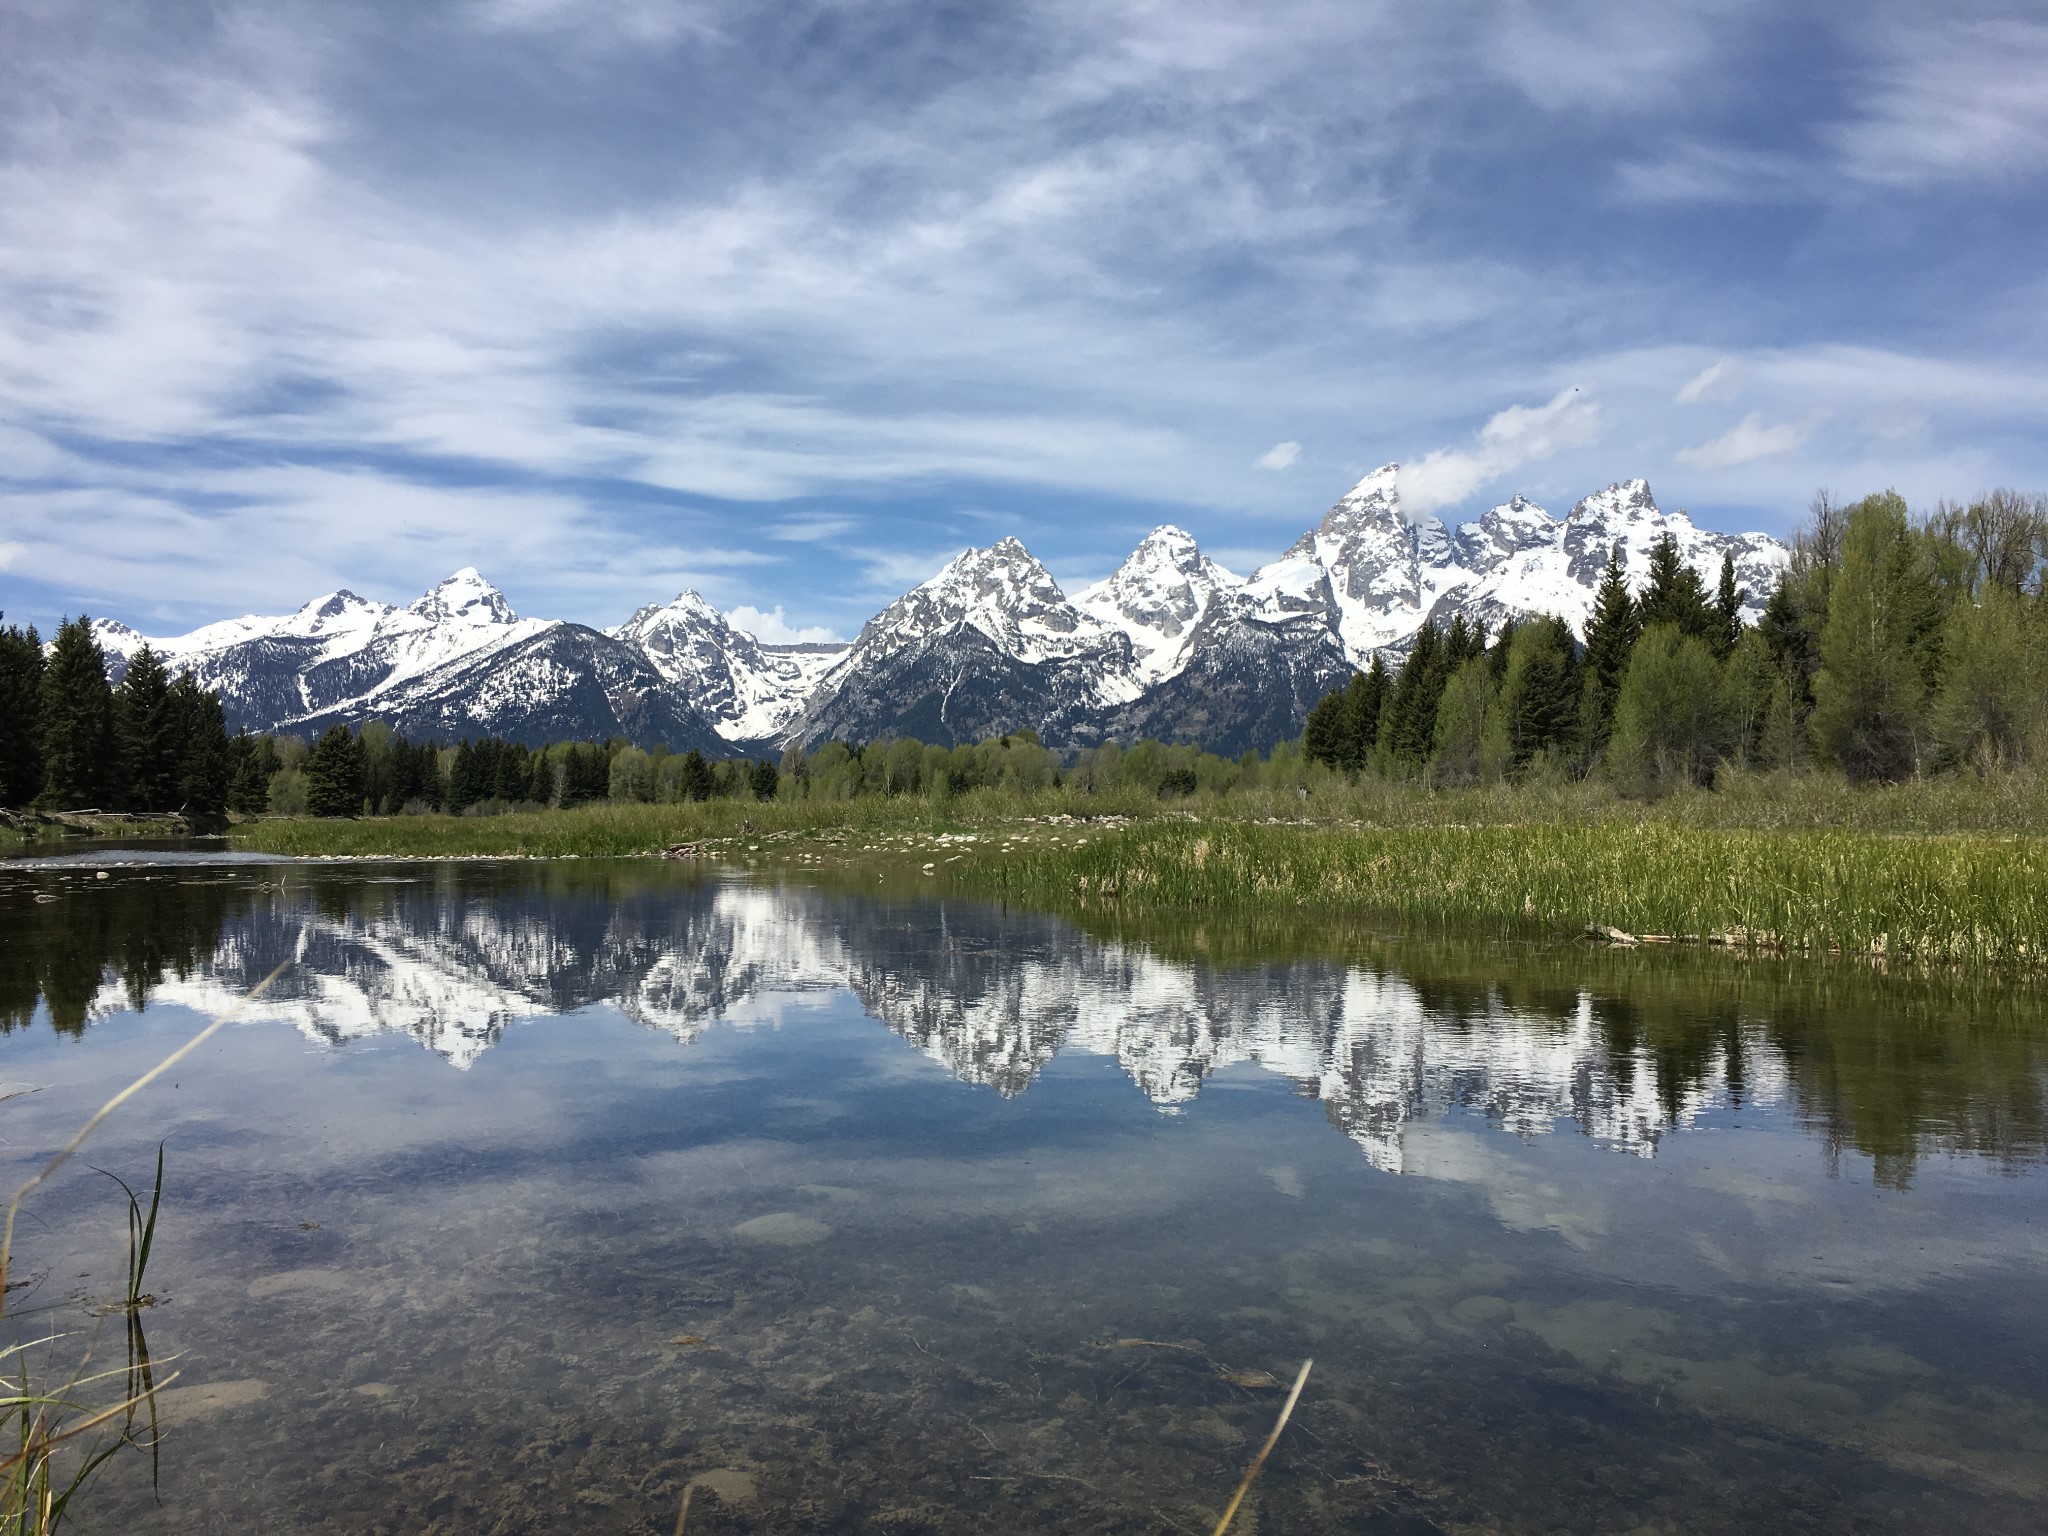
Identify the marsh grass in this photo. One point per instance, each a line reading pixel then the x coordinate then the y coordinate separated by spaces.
pixel 1952 897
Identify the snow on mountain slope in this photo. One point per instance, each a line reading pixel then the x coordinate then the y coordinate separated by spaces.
pixel 1157 597
pixel 749 691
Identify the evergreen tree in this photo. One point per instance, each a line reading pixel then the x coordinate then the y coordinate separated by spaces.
pixel 1408 720
pixel 1539 691
pixel 1880 649
pixel 203 763
pixel 1727 609
pixel 1359 719
pixel 152 733
pixel 21 681
pixel 1610 639
pixel 79 749
pixel 1322 737
pixel 334 774
pixel 251 762
pixel 694 781
pixel 764 779
pixel 1675 595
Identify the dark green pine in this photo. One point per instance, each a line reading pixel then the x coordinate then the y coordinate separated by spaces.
pixel 21 681
pixel 79 748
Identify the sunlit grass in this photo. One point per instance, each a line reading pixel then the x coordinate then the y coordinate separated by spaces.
pixel 1968 897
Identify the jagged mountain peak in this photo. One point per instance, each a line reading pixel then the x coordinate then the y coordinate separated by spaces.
pixel 1158 596
pixel 464 598
pixel 1381 487
pixel 1622 499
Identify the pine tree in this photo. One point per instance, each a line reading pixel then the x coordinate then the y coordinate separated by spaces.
pixel 251 762
pixel 1359 718
pixel 1322 736
pixel 1610 639
pixel 152 733
pixel 203 764
pixel 21 680
pixel 764 779
pixel 694 782
pixel 1539 691
pixel 1727 609
pixel 79 749
pixel 1675 595
pixel 1408 721
pixel 334 774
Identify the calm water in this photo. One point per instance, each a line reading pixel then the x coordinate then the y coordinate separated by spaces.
pixel 531 1193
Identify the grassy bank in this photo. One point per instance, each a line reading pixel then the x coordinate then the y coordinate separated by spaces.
pixel 1946 872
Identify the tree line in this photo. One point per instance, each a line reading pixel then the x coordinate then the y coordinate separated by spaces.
pixel 70 740
pixel 1892 646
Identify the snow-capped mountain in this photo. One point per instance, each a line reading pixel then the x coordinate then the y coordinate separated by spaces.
pixel 750 691
pixel 1158 597
pixel 990 644
pixel 1171 645
pixel 456 662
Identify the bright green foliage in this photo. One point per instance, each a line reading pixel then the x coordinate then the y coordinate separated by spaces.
pixel 79 748
pixel 1610 636
pixel 1992 706
pixel 1670 721
pixel 334 774
pixel 21 680
pixel 1539 692
pixel 633 777
pixel 1756 690
pixel 1470 747
pixel 1675 595
pixel 1880 647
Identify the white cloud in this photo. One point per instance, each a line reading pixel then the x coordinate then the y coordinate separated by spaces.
pixel 1951 101
pixel 775 629
pixel 12 553
pixel 1279 456
pixel 811 527
pixel 1521 434
pixel 1715 173
pixel 1713 382
pixel 1745 442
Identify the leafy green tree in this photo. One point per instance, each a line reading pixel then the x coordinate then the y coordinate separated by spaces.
pixel 151 726
pixel 1675 595
pixel 1470 746
pixel 632 777
pixel 1880 647
pixel 1670 720
pixel 1610 638
pixel 1992 705
pixel 334 774
pixel 21 681
pixel 1754 685
pixel 79 748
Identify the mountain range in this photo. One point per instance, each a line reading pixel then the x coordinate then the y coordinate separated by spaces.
pixel 1172 645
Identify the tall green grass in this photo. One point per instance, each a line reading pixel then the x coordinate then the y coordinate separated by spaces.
pixel 1954 897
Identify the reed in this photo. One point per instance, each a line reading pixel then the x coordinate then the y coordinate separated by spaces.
pixel 1952 897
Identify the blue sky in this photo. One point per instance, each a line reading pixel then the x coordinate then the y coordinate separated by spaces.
pixel 790 302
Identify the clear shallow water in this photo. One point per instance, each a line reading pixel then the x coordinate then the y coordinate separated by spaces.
pixel 1578 1241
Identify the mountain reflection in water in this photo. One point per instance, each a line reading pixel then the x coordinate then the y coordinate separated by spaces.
pixel 1623 1048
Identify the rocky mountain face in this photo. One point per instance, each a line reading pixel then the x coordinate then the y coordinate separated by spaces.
pixel 1171 645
